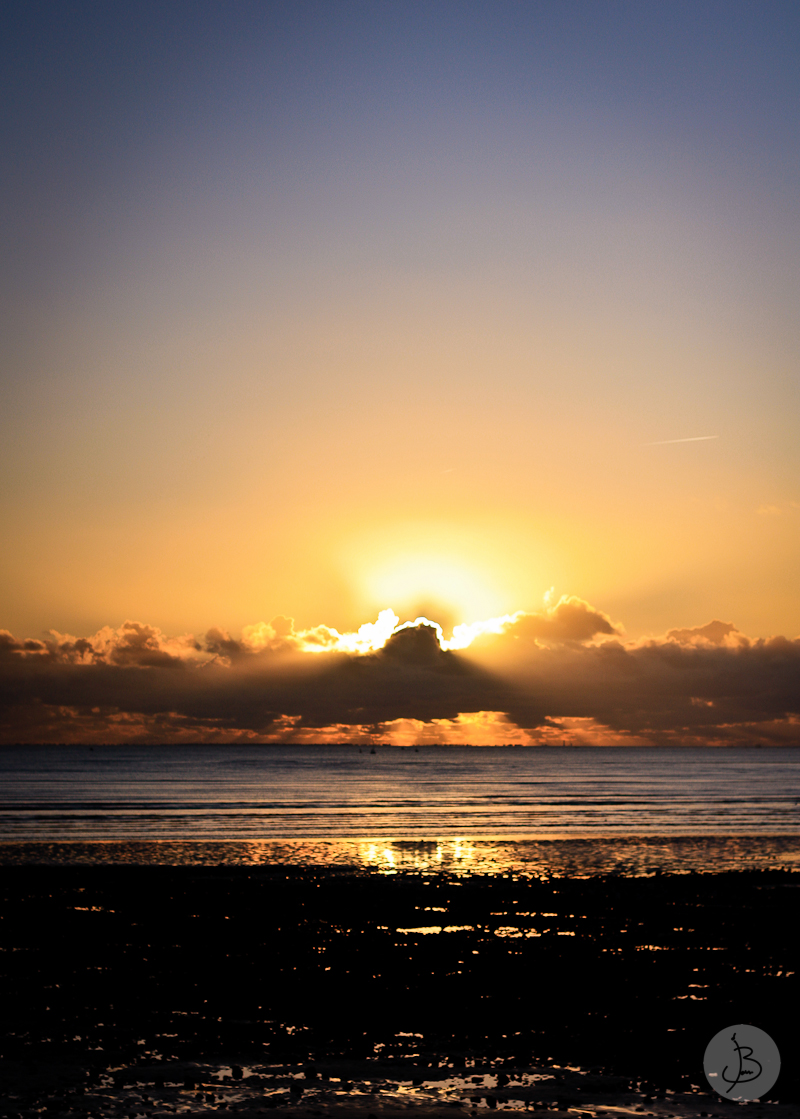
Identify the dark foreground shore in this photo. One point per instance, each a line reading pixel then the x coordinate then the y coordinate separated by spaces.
pixel 146 991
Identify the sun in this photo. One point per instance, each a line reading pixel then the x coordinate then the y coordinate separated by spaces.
pixel 426 584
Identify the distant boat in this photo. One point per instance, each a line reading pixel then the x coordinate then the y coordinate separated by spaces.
pixel 372 751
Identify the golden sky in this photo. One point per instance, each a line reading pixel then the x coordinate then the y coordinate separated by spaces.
pixel 319 311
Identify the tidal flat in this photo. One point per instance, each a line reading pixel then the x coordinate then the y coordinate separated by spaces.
pixel 139 991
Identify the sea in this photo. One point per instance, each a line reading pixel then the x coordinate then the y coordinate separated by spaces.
pixel 461 809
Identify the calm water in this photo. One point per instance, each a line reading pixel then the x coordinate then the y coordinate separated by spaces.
pixel 398 806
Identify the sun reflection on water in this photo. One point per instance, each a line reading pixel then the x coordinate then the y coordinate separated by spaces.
pixel 452 855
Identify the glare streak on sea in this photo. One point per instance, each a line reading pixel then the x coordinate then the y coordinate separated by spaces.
pixel 235 793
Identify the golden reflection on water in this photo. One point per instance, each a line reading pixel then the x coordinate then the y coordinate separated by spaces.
pixel 579 858
pixel 451 855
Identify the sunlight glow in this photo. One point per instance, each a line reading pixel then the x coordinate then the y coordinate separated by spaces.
pixel 465 634
pixel 372 636
pixel 411 580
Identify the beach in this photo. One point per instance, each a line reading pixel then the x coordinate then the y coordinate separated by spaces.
pixel 146 990
pixel 329 931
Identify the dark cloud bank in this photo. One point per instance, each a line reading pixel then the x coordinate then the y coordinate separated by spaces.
pixel 564 667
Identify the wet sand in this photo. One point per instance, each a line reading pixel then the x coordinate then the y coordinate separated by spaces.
pixel 146 991
pixel 562 857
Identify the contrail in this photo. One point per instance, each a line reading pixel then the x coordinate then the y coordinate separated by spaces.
pixel 691 439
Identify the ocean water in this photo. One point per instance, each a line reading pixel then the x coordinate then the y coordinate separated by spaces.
pixel 283 792
pixel 446 806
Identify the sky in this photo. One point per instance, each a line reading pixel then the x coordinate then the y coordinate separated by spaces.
pixel 321 313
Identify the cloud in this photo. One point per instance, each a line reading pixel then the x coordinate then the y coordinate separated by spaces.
pixel 530 676
pixel 714 633
pixel 245 686
pixel 280 636
pixel 571 619
pixel 131 644
pixel 665 690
